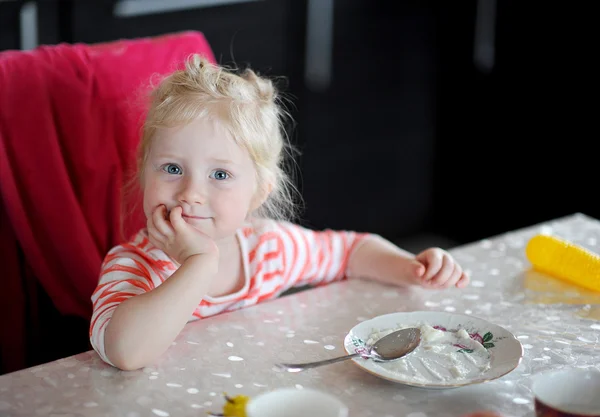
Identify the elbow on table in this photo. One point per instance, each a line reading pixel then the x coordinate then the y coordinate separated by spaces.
pixel 124 351
pixel 125 355
pixel 127 361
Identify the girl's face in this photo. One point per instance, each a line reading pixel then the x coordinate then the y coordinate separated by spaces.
pixel 200 168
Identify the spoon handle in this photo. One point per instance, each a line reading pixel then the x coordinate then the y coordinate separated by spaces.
pixel 297 367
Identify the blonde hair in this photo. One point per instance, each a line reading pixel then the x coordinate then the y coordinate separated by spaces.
pixel 253 112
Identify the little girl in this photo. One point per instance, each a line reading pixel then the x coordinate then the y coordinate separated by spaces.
pixel 218 235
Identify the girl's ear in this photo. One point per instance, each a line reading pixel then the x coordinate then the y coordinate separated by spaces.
pixel 261 195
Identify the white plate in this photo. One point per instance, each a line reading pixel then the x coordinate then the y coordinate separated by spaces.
pixel 296 403
pixel 505 350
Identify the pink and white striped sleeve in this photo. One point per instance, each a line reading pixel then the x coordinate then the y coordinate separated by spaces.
pixel 127 271
pixel 316 257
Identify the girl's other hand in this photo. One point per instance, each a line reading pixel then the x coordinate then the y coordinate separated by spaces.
pixel 440 270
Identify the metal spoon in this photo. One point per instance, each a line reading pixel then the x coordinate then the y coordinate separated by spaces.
pixel 389 348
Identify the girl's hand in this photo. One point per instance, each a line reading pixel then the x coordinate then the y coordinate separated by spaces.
pixel 439 270
pixel 176 237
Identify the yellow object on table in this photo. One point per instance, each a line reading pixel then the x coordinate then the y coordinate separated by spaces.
pixel 234 406
pixel 564 260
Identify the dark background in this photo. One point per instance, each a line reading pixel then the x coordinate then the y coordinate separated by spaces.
pixel 414 135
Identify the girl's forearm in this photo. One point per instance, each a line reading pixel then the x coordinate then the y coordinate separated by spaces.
pixel 143 327
pixel 381 260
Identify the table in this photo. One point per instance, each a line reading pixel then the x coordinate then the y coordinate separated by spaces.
pixel 234 353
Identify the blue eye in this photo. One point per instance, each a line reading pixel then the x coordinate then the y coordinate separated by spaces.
pixel 172 169
pixel 219 174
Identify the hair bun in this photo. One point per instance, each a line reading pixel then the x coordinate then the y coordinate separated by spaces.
pixel 264 87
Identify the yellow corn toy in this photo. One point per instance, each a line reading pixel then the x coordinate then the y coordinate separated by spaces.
pixel 564 260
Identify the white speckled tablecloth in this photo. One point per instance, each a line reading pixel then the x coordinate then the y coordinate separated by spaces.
pixel 558 325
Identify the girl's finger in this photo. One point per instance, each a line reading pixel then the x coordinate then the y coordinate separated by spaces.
pixel 176 220
pixel 433 262
pixel 156 238
pixel 160 222
pixel 463 281
pixel 454 277
pixel 445 271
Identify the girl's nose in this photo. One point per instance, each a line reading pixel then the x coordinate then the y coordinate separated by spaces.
pixel 191 192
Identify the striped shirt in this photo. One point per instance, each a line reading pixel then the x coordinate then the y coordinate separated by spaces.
pixel 276 256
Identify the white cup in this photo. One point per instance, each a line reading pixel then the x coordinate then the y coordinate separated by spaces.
pixel 570 392
pixel 292 402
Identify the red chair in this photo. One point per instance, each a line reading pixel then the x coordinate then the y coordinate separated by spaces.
pixel 70 118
